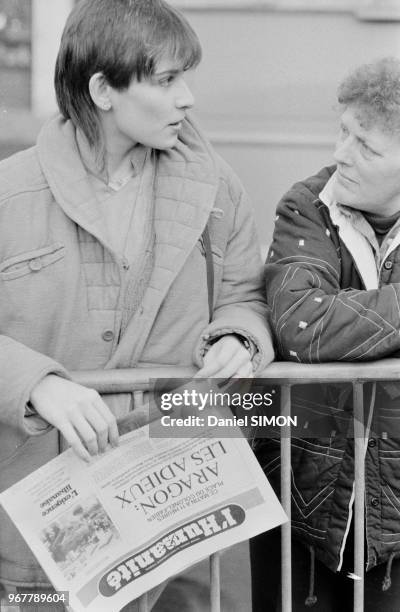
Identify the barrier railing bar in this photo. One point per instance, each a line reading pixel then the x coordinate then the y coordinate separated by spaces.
pixel 305 373
pixel 143 603
pixel 128 380
pixel 215 583
pixel 286 542
pixel 359 488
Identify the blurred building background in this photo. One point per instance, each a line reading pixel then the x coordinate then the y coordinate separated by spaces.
pixel 265 91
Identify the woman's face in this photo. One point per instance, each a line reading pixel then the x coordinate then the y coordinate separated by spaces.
pixel 151 111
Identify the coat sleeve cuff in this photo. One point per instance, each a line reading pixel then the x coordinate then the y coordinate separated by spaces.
pixel 22 368
pixel 258 356
pixel 248 344
pixel 32 422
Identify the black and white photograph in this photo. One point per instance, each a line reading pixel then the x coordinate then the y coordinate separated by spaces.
pixel 205 189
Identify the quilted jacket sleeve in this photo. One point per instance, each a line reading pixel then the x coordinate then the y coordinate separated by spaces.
pixel 240 305
pixel 313 317
pixel 21 368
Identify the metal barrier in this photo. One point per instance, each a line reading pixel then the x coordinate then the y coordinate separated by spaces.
pixel 286 374
pixel 137 381
pixel 289 374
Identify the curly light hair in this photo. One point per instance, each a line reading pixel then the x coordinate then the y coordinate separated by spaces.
pixel 374 89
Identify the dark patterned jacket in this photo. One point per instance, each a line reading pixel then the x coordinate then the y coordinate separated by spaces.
pixel 330 302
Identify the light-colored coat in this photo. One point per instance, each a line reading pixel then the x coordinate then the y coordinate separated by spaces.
pixel 64 291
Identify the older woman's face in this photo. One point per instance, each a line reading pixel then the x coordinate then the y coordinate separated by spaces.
pixel 368 166
pixel 151 111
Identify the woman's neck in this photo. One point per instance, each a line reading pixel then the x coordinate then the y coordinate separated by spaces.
pixel 117 148
pixel 118 165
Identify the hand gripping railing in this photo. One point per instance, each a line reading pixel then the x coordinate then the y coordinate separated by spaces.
pixel 285 374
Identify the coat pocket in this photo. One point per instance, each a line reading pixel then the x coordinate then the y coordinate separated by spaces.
pixel 31 262
pixel 389 464
pixel 316 465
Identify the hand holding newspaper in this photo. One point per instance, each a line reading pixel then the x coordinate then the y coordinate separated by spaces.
pixel 111 530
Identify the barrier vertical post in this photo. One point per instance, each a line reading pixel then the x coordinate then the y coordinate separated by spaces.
pixel 143 603
pixel 215 583
pixel 359 486
pixel 286 500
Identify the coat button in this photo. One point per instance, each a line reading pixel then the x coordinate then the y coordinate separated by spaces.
pixel 35 264
pixel 388 265
pixel 371 442
pixel 374 502
pixel 108 335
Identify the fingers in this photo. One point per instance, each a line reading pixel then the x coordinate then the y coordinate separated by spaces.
pixel 246 371
pixel 226 358
pixel 74 441
pixel 79 413
pixel 111 422
pixel 93 430
pixel 219 369
pixel 94 423
pixel 88 432
pixel 214 362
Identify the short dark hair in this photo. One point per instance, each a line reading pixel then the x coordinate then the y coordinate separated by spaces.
pixel 123 39
pixel 374 89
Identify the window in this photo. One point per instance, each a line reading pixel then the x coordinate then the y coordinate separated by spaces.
pixel 313 5
pixel 15 53
pixel 379 10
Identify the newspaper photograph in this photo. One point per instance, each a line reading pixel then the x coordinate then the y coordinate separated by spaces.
pixel 109 530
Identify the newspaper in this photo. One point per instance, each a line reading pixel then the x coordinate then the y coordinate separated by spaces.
pixel 110 530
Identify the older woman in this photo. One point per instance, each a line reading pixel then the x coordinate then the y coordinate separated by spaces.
pixel 125 240
pixel 333 282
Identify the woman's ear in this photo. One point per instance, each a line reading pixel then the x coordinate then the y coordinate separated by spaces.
pixel 100 91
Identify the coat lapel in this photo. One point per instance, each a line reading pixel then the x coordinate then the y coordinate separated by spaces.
pixel 67 178
pixel 356 243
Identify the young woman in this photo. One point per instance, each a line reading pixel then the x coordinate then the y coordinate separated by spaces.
pixel 105 226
